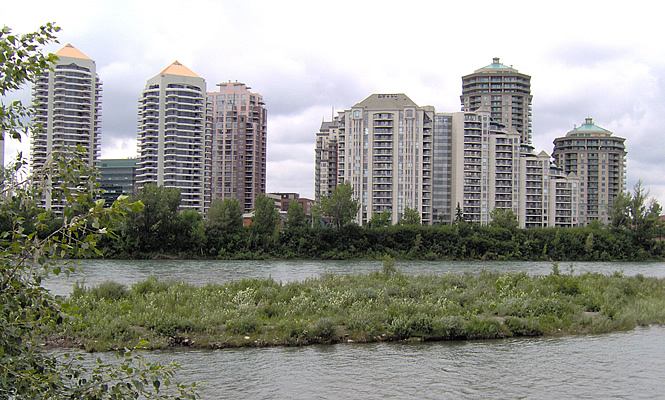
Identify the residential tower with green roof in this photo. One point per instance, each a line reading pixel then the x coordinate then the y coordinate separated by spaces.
pixel 599 159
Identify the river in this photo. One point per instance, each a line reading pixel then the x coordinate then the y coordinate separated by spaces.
pixel 200 272
pixel 621 365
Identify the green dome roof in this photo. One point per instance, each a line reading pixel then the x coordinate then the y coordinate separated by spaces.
pixel 497 65
pixel 590 127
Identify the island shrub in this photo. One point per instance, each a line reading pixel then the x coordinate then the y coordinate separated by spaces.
pixel 450 327
pixel 151 285
pixel 107 290
pixel 366 307
pixel 486 328
pixel 324 331
pixel 523 326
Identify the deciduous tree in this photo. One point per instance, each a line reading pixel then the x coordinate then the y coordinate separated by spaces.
pixel 504 218
pixel 224 216
pixel 410 217
pixel 153 228
pixel 638 213
pixel 295 216
pixel 266 217
pixel 340 206
pixel 379 220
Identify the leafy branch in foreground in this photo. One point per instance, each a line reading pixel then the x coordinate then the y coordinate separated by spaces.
pixel 33 245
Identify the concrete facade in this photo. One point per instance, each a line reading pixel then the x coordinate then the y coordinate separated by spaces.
pixel 599 160
pixel 397 154
pixel 385 150
pixel 506 92
pixel 173 133
pixel 239 142
pixel 325 176
pixel 68 109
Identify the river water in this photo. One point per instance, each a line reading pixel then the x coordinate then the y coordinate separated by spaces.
pixel 622 365
pixel 200 272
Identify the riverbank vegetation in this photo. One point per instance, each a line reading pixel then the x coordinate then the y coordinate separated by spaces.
pixel 463 241
pixel 382 306
pixel 160 229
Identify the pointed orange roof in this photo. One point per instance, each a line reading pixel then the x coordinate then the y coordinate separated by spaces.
pixel 71 51
pixel 178 69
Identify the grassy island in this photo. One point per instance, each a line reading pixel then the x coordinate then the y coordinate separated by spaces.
pixel 380 306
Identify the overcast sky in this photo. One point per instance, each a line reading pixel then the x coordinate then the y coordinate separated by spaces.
pixel 586 59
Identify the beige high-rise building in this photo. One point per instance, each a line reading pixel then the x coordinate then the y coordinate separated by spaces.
pixel 68 109
pixel 173 134
pixel 485 164
pixel 599 160
pixel 325 177
pixel 493 170
pixel 397 154
pixel 385 150
pixel 506 92
pixel 547 196
pixel 239 142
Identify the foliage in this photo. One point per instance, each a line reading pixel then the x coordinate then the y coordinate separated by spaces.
pixel 295 216
pixel 266 216
pixel 460 241
pixel 21 61
pixel 459 214
pixel 30 250
pixel 383 305
pixel 152 228
pixel 504 218
pixel 380 220
pixel 189 236
pixel 340 206
pixel 634 212
pixel 224 216
pixel 410 217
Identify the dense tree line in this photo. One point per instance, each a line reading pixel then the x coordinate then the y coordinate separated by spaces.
pixel 160 230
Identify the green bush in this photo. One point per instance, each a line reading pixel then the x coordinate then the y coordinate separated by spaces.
pixel 109 290
pixel 151 285
pixel 244 324
pixel 521 327
pixel 324 330
pixel 370 307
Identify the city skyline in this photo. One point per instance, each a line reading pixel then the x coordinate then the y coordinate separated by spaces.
pixel 293 59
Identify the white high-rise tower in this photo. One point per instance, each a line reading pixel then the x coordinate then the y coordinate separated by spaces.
pixel 173 134
pixel 68 111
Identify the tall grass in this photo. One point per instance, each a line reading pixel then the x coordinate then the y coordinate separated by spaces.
pixel 385 305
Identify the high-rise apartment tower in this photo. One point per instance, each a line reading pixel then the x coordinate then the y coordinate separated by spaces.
pixel 397 155
pixel 599 160
pixel 239 141
pixel 68 110
pixel 385 150
pixel 325 176
pixel 505 91
pixel 173 134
